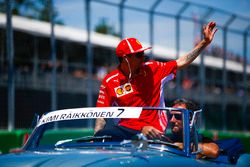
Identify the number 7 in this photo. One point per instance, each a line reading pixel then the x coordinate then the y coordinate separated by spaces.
pixel 122 110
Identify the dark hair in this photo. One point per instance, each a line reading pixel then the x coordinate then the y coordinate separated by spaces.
pixel 189 104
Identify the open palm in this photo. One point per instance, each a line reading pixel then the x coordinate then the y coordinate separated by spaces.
pixel 208 31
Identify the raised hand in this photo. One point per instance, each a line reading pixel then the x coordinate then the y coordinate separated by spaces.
pixel 208 31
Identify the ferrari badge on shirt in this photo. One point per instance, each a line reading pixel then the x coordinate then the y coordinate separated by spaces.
pixel 123 89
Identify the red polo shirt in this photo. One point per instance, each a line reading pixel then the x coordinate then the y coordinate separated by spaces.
pixel 146 89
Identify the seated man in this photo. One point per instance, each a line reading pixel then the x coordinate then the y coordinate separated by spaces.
pixel 208 147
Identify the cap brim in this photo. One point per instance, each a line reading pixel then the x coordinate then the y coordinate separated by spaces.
pixel 142 49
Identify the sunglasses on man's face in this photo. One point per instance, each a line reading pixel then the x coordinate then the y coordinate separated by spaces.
pixel 176 116
pixel 139 54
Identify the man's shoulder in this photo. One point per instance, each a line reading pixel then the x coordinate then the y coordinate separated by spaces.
pixel 151 62
pixel 154 65
pixel 159 63
pixel 111 75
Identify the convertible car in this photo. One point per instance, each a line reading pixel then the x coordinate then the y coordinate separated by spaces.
pixel 46 146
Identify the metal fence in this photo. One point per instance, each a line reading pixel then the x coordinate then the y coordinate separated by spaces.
pixel 179 16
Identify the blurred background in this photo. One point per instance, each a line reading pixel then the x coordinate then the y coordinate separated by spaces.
pixel 55 53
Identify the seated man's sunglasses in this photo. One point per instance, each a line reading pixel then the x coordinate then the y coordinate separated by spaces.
pixel 176 116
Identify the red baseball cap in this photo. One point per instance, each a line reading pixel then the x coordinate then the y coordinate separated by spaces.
pixel 128 46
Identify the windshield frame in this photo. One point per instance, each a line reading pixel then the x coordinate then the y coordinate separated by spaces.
pixel 33 141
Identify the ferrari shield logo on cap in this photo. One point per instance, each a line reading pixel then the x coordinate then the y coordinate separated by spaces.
pixel 138 42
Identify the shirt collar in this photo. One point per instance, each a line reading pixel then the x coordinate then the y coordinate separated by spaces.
pixel 124 77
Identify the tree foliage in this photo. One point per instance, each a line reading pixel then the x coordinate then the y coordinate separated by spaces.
pixel 104 28
pixel 35 9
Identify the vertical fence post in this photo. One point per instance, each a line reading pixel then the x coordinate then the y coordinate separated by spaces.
pixel 177 36
pixel 151 26
pixel 53 59
pixel 202 76
pixel 89 55
pixel 203 71
pixel 11 72
pixel 35 62
pixel 245 83
pixel 224 80
pixel 121 18
pixel 224 72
